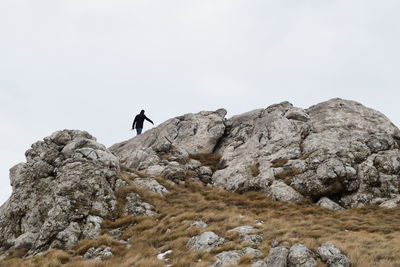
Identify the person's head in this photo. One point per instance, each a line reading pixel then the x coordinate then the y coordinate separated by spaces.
pixel 142 112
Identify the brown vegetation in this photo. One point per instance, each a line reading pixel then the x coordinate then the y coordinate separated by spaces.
pixel 287 175
pixel 209 159
pixel 255 169
pixel 370 236
pixel 276 163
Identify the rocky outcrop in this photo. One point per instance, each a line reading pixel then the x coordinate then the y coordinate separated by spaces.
pixel 193 133
pixel 337 149
pixel 62 194
pixel 298 255
pixel 339 154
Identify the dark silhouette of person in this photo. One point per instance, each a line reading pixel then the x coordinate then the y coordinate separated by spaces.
pixel 138 122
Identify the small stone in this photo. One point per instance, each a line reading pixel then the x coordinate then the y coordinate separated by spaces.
pixel 199 224
pixel 274 243
pixel 225 258
pixel 98 254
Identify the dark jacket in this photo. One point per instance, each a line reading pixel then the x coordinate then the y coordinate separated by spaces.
pixel 139 119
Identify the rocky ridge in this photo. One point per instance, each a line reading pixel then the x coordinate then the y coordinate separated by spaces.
pixel 339 151
pixel 62 194
pixel 338 154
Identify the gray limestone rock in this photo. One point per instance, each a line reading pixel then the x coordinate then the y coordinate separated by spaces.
pixel 281 192
pixel 61 193
pixel 151 185
pixel 391 203
pixel 243 230
pixel 259 263
pixel 297 114
pixel 277 257
pixel 205 242
pixel 333 256
pixel 199 224
pixel 337 147
pixel 226 258
pixel 329 204
pixel 195 133
pixel 232 257
pixel 300 256
pixel 120 183
pixel 136 207
pixel 252 252
pixel 245 234
pixel 99 254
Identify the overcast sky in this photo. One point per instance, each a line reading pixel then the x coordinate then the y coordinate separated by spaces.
pixel 93 64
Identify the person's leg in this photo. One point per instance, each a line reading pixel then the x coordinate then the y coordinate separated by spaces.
pixel 139 131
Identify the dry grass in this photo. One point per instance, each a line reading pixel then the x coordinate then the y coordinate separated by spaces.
pixel 306 155
pixel 138 173
pixel 276 163
pixel 287 175
pixel 82 246
pixel 209 159
pixel 255 169
pixel 370 236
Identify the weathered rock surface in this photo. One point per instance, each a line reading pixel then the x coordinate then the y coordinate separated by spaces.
pixel 135 206
pixel 98 254
pixel 329 204
pixel 300 256
pixel 339 154
pixel 247 236
pixel 199 224
pixel 277 257
pixel 284 255
pixel 232 257
pixel 333 256
pixel 205 242
pixel 391 203
pixel 151 185
pixel 61 194
pixel 338 149
pixel 194 133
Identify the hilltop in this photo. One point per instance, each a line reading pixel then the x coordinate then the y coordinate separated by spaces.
pixel 280 186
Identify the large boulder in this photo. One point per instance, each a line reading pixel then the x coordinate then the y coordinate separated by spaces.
pixel 338 149
pixel 61 194
pixel 193 133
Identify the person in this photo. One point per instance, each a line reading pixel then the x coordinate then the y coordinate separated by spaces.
pixel 138 122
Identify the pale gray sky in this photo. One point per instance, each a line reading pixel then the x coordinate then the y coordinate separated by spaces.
pixel 93 64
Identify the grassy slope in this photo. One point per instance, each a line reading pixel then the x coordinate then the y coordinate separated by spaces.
pixel 369 236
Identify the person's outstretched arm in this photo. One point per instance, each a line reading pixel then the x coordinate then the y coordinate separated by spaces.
pixel 149 120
